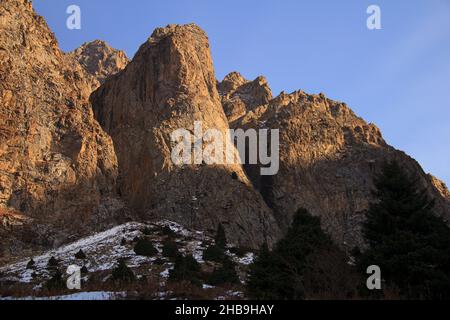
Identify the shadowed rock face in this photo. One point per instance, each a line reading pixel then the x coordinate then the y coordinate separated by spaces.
pixel 57 165
pixel 328 158
pixel 100 60
pixel 170 84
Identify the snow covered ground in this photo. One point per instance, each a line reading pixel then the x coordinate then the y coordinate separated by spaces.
pixel 86 296
pixel 103 251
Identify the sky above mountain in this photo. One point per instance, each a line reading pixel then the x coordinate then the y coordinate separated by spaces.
pixel 397 77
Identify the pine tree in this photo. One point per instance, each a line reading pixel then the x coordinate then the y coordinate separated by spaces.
pixel 56 282
pixel 186 268
pixel 280 274
pixel 145 248
pixel 262 278
pixel 52 263
pixel 221 239
pixel 80 255
pixel 216 252
pixel 225 274
pixel 170 249
pixel 304 238
pixel 122 273
pixel 30 264
pixel 406 239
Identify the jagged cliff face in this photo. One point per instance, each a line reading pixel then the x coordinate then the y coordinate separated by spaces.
pixel 66 165
pixel 328 159
pixel 239 95
pixel 57 165
pixel 100 60
pixel 170 84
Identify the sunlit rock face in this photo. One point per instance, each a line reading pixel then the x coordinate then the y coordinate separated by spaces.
pixel 170 84
pixel 74 161
pixel 328 160
pixel 100 60
pixel 57 166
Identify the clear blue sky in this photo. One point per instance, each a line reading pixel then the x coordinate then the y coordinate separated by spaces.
pixel 397 77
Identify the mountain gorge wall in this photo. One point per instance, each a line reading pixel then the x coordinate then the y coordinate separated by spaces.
pixel 328 159
pixel 58 168
pixel 86 143
pixel 170 84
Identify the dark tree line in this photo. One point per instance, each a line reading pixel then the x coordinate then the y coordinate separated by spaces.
pixel 404 237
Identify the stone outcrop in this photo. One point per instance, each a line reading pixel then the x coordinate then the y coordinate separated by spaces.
pixel 168 85
pixel 100 60
pixel 441 187
pixel 57 166
pixel 240 96
pixel 70 159
pixel 328 159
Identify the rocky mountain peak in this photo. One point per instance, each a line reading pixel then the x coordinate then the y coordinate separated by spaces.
pixel 240 96
pixel 231 82
pixel 70 158
pixel 100 60
pixel 177 30
pixel 441 187
pixel 170 84
pixel 57 165
pixel 328 159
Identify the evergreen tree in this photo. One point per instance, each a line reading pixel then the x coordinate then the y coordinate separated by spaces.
pixel 52 263
pixel 145 248
pixel 167 231
pixel 221 239
pixel 280 274
pixel 80 255
pixel 225 274
pixel 186 269
pixel 406 239
pixel 262 282
pixel 122 273
pixel 170 249
pixel 216 252
pixel 30 264
pixel 56 282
